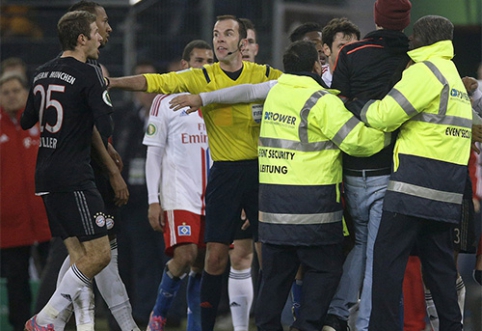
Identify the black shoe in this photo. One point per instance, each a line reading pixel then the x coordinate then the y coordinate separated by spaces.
pixel 334 323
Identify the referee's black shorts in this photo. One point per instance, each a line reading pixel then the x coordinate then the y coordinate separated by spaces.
pixel 232 186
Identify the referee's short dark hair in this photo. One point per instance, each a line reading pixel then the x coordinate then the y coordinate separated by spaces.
pixel 243 33
pixel 300 57
pixel 198 43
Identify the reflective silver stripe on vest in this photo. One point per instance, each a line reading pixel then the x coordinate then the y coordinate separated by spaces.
pixel 303 144
pixel 403 102
pixel 444 119
pixel 363 113
pixel 444 96
pixel 305 111
pixel 296 145
pixel 423 192
pixel 440 118
pixel 345 130
pixel 300 219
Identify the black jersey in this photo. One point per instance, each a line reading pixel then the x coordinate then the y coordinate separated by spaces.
pixel 67 98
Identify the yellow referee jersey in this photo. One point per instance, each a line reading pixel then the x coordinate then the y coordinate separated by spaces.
pixel 233 130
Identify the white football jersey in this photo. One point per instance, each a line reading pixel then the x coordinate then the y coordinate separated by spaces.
pixel 327 75
pixel 186 160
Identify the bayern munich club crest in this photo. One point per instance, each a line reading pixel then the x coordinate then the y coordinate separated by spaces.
pixel 100 220
pixel 109 221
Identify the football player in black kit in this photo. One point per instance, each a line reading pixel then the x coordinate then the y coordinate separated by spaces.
pixel 68 98
pixel 114 192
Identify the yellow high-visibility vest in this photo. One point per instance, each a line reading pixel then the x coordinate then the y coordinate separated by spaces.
pixel 303 129
pixel 432 109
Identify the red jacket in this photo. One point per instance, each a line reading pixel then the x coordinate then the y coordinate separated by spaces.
pixel 23 220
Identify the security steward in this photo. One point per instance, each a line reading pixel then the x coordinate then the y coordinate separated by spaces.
pixel 304 128
pixel 424 196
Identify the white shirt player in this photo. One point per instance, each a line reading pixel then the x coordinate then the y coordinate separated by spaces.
pixel 326 75
pixel 178 157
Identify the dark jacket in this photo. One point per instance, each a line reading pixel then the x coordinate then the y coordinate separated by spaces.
pixel 368 69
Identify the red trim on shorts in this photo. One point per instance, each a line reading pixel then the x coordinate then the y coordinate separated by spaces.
pixel 183 227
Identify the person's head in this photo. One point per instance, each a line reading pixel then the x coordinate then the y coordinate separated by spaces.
pixel 13 64
pixel 13 92
pixel 336 34
pixel 196 54
pixel 102 19
pixel 310 31
pixel 229 37
pixel 251 50
pixel 392 14
pixel 431 29
pixel 301 56
pixel 77 30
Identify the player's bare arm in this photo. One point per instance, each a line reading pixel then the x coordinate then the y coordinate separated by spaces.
pixel 130 83
pixel 156 217
pixel 116 181
pixel 115 156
